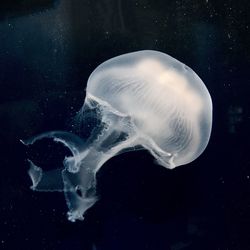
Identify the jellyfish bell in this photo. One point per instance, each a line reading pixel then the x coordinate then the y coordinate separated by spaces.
pixel 143 100
pixel 166 101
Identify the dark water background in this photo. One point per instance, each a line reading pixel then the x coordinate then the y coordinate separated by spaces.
pixel 47 51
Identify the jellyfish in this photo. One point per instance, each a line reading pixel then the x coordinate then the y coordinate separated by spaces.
pixel 141 100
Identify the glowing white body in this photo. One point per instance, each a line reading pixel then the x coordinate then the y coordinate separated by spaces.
pixel 143 100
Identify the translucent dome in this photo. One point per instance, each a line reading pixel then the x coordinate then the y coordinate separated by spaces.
pixel 167 101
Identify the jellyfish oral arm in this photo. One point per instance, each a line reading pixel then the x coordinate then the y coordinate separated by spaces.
pixel 78 177
pixel 90 163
